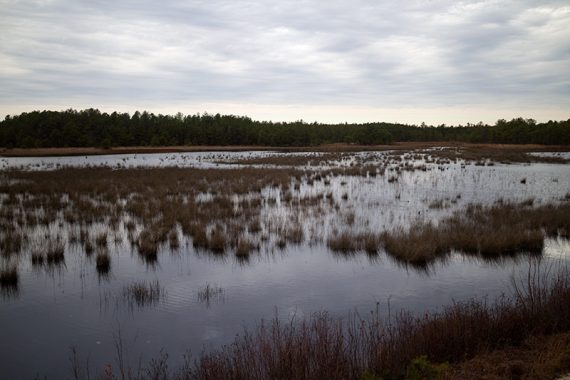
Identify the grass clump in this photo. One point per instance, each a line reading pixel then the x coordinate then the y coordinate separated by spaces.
pixel 501 229
pixel 218 241
pixel 143 293
pixel 347 242
pixel 103 262
pixel 209 292
pixel 343 243
pixel 9 276
pixel 244 248
pixel 55 254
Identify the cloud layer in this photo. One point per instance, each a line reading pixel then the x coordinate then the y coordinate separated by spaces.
pixel 330 60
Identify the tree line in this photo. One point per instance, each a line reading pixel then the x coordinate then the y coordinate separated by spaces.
pixel 93 128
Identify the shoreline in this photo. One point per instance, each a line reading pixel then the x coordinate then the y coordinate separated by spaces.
pixel 92 151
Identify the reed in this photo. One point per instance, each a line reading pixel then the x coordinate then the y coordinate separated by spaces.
pixel 143 293
pixel 209 293
pixel 343 243
pixel 244 248
pixel 103 262
pixel 9 276
pixel 501 229
pixel 55 253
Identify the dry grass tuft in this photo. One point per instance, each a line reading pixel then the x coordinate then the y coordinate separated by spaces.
pixel 9 276
pixel 502 229
pixel 103 262
pixel 55 254
pixel 244 248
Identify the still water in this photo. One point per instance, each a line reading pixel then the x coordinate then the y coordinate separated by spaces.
pixel 72 306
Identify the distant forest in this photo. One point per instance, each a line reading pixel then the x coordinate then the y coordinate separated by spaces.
pixel 92 128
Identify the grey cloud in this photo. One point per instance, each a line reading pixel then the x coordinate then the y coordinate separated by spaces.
pixel 382 53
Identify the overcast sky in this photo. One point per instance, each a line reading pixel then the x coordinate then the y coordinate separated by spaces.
pixel 330 61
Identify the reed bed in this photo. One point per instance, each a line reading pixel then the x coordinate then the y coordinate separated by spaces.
pixel 501 229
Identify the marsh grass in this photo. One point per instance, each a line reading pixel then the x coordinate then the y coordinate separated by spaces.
pixel 55 253
pixel 209 293
pixel 37 258
pixel 244 248
pixel 9 276
pixel 101 240
pixel 344 242
pixel 481 154
pixel 143 293
pixel 218 241
pixel 10 241
pixel 501 229
pixel 103 262
pixel 218 209
pixel 347 242
pixel 88 247
pixel 173 241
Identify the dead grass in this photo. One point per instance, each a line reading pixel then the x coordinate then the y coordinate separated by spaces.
pixel 142 293
pixel 55 254
pixel 502 229
pixel 537 358
pixel 347 242
pixel 209 293
pixel 244 248
pixel 103 262
pixel 482 154
pixel 9 276
pixel 221 210
pixel 343 242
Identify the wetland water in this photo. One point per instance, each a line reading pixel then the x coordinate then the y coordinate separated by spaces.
pixel 72 305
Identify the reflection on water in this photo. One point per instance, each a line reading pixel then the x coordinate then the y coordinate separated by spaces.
pixel 184 298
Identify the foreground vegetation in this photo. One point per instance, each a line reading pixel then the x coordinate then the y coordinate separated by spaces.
pixel 447 344
pixel 92 128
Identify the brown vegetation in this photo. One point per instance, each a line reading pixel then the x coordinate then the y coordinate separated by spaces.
pixel 9 276
pixel 103 262
pixel 501 229
pixel 538 358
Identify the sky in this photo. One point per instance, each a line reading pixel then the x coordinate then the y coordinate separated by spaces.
pixel 328 61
